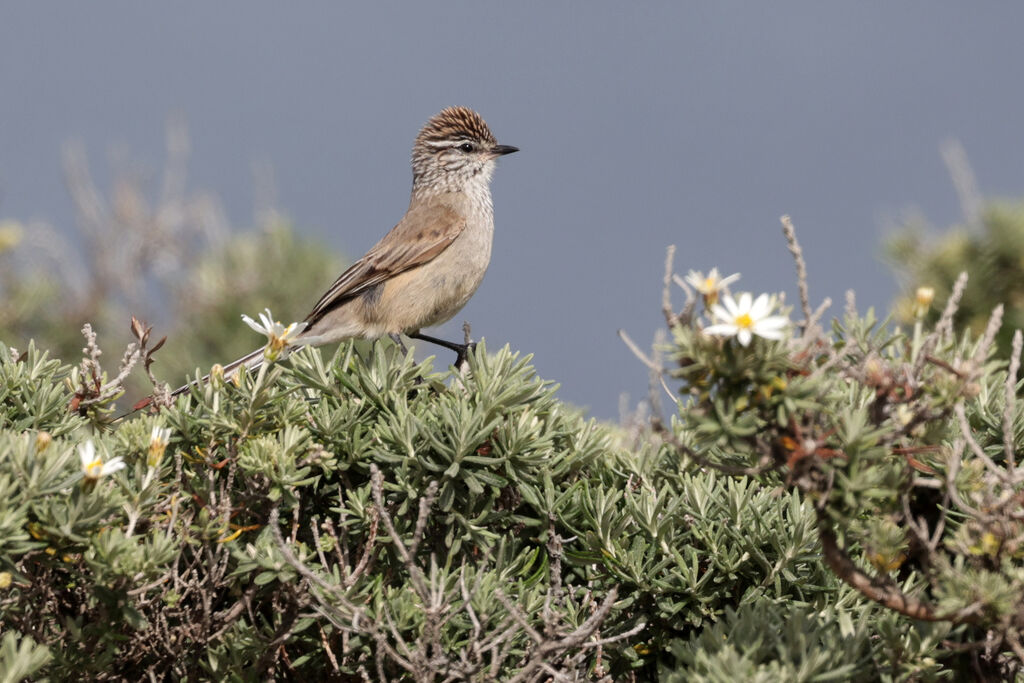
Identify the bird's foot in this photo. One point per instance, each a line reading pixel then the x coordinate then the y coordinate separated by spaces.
pixel 462 354
pixel 462 351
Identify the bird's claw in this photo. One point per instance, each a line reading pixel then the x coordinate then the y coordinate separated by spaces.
pixel 462 355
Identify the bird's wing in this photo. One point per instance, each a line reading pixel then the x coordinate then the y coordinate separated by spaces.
pixel 422 234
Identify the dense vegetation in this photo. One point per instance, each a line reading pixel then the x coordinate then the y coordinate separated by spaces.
pixel 822 502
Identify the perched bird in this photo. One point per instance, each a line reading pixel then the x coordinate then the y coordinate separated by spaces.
pixel 427 267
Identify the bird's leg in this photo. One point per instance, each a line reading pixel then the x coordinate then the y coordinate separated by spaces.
pixel 440 342
pixel 461 350
pixel 397 338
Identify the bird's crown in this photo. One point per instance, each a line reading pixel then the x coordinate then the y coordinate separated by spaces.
pixel 455 123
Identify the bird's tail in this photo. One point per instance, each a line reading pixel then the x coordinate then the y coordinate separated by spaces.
pixel 251 361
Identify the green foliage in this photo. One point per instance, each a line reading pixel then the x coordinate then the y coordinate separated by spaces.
pixel 166 257
pixel 502 530
pixel 992 252
pixel 109 573
pixel 840 505
pixel 835 642
pixel 905 445
pixel 21 658
pixel 327 516
pixel 32 393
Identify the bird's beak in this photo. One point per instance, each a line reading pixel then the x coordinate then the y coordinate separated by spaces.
pixel 502 150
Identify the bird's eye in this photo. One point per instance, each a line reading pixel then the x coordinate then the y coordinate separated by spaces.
pixel 466 147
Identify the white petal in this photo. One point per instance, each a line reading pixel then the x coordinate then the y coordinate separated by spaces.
pixel 744 304
pixel 253 324
pixel 87 453
pixel 719 313
pixel 769 334
pixel 268 320
pixel 761 307
pixel 774 322
pixel 112 466
pixel 728 280
pixel 730 305
pixel 293 330
pixel 744 336
pixel 722 329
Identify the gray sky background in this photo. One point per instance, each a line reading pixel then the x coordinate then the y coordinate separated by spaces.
pixel 641 125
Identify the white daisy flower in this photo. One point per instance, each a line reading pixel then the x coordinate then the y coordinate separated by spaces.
pixel 923 298
pixel 712 285
pixel 93 467
pixel 746 318
pixel 158 440
pixel 279 337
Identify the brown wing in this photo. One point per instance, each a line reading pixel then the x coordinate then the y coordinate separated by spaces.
pixel 422 234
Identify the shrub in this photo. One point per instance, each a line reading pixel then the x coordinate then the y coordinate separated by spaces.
pixel 902 443
pixel 365 516
pixel 838 504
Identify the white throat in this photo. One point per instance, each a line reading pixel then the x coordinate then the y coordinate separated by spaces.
pixel 476 187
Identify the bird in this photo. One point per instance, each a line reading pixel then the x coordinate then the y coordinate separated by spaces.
pixel 422 272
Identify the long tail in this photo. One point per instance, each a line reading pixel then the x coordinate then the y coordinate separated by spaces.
pixel 251 361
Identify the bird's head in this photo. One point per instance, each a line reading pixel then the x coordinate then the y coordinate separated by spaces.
pixel 455 151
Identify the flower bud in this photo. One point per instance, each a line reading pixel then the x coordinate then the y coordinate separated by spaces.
pixel 43 441
pixel 923 300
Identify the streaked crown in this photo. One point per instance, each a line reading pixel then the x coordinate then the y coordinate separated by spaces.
pixel 455 152
pixel 455 123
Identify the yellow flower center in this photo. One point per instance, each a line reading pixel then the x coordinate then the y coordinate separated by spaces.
pixel 744 320
pixel 278 343
pixel 94 469
pixel 709 284
pixel 156 452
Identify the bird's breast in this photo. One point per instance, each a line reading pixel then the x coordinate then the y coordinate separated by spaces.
pixel 457 272
pixel 434 292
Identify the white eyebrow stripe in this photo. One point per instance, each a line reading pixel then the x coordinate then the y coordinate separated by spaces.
pixel 443 143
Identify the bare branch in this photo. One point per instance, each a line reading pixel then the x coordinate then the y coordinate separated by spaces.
pixel 666 292
pixel 882 591
pixel 995 321
pixel 851 305
pixel 960 172
pixel 368 545
pixel 733 470
pixel 651 365
pixel 818 313
pixel 801 267
pixel 979 452
pixel 944 326
pixel 426 501
pixel 1010 407
pixel 415 573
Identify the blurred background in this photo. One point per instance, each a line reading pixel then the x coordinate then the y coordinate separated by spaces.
pixel 193 162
